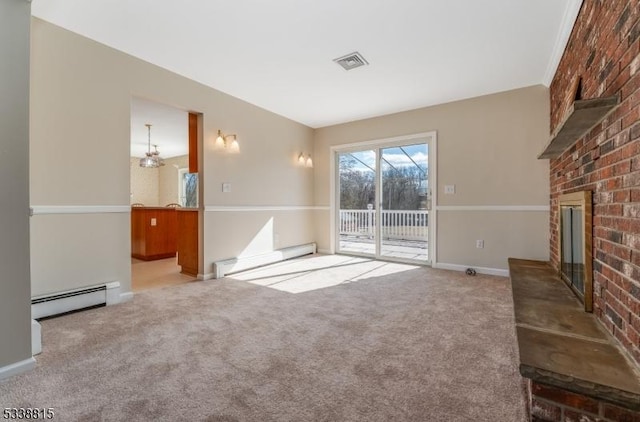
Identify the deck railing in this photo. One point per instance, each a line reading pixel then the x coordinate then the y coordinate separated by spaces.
pixel 396 224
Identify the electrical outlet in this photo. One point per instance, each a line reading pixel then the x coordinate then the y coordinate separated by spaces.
pixel 449 189
pixel 479 244
pixel 154 222
pixel 226 187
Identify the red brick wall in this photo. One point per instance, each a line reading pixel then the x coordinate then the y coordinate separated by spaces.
pixel 550 404
pixel 604 50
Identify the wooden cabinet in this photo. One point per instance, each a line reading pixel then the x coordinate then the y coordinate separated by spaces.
pixel 188 240
pixel 154 232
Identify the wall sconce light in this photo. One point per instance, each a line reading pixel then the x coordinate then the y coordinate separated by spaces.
pixel 228 142
pixel 305 161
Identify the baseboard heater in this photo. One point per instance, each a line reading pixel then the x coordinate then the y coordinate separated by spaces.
pixel 233 265
pixel 73 300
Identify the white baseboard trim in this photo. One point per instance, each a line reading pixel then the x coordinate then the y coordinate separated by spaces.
pixel 125 297
pixel 113 295
pixel 325 251
pixel 17 368
pixel 207 276
pixel 233 265
pixel 480 270
pixel 36 337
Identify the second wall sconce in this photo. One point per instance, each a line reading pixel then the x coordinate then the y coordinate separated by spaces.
pixel 305 161
pixel 227 142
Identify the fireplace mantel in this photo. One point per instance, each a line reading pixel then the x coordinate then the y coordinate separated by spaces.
pixel 561 345
pixel 581 117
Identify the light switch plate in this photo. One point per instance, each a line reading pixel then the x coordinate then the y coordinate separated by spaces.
pixel 154 222
pixel 226 187
pixel 449 189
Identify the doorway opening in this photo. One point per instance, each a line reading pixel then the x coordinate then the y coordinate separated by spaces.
pixel 163 196
pixel 383 199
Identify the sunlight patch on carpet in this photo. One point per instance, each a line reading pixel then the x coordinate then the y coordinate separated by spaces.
pixel 319 272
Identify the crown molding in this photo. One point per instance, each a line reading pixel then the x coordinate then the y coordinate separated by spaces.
pixel 566 26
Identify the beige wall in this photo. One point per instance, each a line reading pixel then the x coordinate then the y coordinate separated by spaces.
pixel 168 179
pixel 80 86
pixel 505 234
pixel 15 306
pixel 267 230
pixel 91 254
pixel 145 184
pixel 487 148
pixel 156 187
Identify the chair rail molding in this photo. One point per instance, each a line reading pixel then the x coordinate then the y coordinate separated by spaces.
pixel 539 208
pixel 78 209
pixel 240 208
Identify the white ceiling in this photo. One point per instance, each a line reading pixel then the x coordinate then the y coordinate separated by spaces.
pixel 169 129
pixel 278 54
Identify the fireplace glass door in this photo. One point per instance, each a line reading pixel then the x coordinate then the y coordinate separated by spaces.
pixel 574 244
pixel 572 247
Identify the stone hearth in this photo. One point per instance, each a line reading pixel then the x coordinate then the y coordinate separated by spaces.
pixel 574 369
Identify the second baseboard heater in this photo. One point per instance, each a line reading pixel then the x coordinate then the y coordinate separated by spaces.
pixel 76 299
pixel 233 265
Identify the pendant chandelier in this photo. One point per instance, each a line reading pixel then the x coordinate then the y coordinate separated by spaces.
pixel 152 158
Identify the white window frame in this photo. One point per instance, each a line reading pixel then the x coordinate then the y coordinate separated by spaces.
pixel 382 143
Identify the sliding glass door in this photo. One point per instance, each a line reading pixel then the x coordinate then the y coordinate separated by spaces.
pixel 357 199
pixel 404 202
pixel 384 201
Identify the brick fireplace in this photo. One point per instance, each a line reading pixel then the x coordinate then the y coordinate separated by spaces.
pixel 604 53
pixel 601 64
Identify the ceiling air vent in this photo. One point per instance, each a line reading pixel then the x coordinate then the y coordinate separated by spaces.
pixel 351 61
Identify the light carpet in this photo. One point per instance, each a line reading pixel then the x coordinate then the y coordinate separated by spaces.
pixel 320 338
